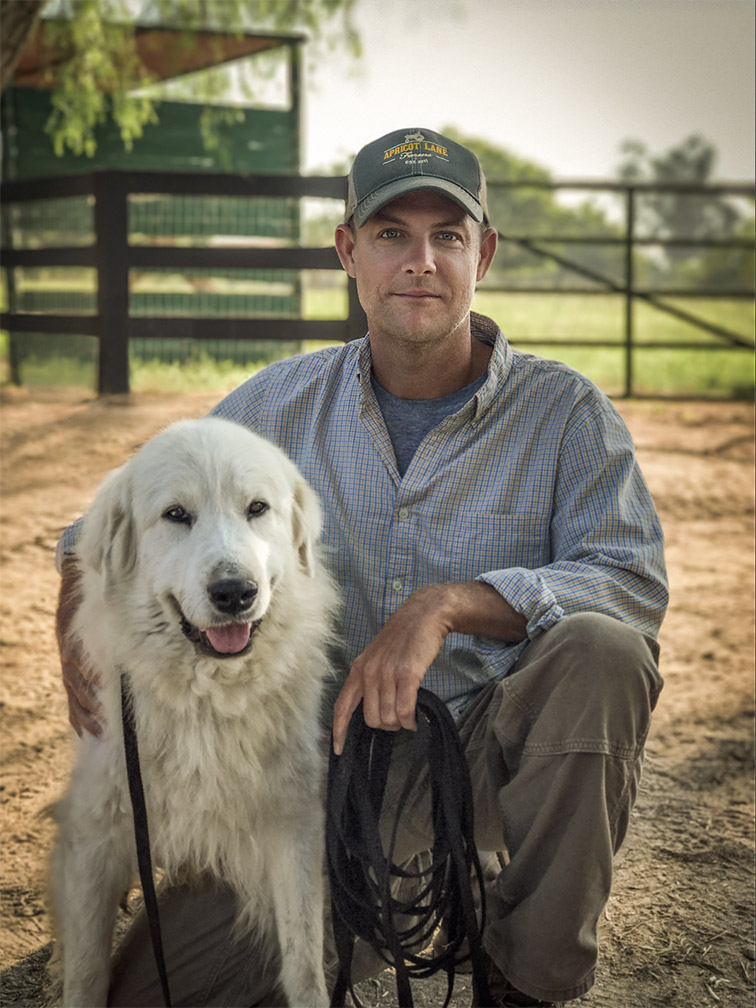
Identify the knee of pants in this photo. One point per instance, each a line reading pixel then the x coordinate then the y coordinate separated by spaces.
pixel 590 677
pixel 609 655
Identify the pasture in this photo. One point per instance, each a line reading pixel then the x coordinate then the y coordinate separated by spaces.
pixel 546 324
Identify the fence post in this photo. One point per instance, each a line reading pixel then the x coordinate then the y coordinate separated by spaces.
pixel 14 365
pixel 629 288
pixel 112 259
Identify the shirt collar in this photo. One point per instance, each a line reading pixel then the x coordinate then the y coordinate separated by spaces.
pixel 364 366
pixel 485 329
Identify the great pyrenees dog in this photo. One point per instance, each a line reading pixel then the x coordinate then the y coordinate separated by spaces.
pixel 202 586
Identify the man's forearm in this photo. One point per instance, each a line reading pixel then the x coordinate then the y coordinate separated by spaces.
pixel 474 608
pixel 388 673
pixel 84 710
pixel 69 596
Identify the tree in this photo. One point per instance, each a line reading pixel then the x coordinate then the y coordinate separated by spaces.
pixel 688 216
pixel 526 211
pixel 725 268
pixel 98 71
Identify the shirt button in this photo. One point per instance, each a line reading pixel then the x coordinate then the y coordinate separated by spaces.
pixel 403 512
pixel 396 584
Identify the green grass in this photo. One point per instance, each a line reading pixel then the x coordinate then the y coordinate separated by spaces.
pixel 528 320
pixel 200 375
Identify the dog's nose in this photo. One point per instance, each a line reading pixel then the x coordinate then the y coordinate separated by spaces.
pixel 232 595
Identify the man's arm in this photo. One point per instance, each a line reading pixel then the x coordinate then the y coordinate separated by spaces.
pixel 84 710
pixel 389 672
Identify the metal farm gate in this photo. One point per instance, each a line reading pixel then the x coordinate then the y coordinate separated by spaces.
pixel 240 265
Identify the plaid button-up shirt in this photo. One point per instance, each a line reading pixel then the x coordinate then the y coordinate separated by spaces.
pixel 532 487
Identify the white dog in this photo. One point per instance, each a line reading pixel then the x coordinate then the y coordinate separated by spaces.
pixel 201 585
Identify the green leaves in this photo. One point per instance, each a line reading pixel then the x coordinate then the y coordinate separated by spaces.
pixel 97 71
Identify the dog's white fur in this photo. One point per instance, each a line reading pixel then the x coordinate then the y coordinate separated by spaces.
pixel 229 746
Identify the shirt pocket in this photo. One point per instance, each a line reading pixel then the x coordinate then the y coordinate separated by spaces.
pixel 475 544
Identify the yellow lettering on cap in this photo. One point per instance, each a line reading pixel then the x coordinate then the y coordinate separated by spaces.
pixel 401 149
pixel 436 149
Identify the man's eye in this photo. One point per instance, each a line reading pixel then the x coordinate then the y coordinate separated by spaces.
pixel 389 233
pixel 448 236
pixel 178 515
pixel 257 508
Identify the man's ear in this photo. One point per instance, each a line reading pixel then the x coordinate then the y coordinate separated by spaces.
pixel 344 242
pixel 487 252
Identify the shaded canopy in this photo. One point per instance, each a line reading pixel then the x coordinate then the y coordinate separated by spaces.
pixel 164 52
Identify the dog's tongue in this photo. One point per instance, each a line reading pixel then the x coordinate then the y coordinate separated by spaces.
pixel 229 639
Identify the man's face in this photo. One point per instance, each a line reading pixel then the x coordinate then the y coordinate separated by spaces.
pixel 416 263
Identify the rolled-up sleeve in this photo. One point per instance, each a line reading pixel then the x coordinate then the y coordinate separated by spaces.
pixel 606 542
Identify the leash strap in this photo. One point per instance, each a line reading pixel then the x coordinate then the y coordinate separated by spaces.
pixel 360 875
pixel 142 835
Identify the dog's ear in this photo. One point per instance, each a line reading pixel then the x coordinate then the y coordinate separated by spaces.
pixel 306 524
pixel 109 541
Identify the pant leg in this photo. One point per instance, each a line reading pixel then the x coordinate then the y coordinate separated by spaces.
pixel 205 965
pixel 555 753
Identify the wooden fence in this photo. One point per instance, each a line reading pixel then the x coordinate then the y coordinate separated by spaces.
pixel 112 256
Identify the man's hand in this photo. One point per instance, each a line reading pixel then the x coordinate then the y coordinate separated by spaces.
pixel 84 709
pixel 389 672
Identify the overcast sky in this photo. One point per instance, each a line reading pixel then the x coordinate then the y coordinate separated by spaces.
pixel 560 82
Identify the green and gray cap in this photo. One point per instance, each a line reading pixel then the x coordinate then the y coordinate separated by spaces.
pixel 409 160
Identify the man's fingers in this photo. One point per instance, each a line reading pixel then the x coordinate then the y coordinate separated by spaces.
pixel 81 719
pixel 84 708
pixel 347 703
pixel 405 705
pixel 74 714
pixel 386 706
pixel 380 706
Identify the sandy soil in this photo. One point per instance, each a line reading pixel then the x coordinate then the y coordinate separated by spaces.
pixel 679 927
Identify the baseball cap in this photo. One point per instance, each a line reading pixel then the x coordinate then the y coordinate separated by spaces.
pixel 411 159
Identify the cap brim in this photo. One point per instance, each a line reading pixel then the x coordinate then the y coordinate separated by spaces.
pixel 400 187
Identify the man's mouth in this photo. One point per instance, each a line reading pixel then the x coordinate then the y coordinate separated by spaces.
pixel 229 640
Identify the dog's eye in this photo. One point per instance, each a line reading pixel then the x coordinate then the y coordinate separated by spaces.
pixel 257 508
pixel 178 514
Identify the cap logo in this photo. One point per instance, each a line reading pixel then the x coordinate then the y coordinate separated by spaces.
pixel 410 159
pixel 415 150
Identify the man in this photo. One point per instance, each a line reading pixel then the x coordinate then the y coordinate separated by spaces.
pixel 494 541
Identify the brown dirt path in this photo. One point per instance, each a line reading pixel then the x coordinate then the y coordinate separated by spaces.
pixel 678 930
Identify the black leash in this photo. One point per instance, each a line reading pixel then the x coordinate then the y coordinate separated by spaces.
pixel 141 832
pixel 360 876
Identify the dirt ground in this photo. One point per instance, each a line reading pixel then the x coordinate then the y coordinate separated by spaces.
pixel 678 929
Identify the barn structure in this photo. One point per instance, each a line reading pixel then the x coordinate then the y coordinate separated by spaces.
pixel 255 136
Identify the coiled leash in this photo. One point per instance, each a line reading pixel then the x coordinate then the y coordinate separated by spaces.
pixel 142 835
pixel 360 875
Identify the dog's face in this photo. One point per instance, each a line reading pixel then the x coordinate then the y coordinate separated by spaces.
pixel 203 523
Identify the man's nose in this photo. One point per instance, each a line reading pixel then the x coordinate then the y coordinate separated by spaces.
pixel 419 257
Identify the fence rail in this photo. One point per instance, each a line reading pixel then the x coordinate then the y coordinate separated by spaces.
pixel 112 256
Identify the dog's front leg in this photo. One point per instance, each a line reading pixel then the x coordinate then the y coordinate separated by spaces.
pixel 89 874
pixel 296 878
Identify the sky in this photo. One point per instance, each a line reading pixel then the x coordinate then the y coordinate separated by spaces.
pixel 559 82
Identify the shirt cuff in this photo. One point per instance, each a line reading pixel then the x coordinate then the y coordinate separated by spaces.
pixel 67 543
pixel 527 592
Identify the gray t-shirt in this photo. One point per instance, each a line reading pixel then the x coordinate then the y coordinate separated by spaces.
pixel 409 420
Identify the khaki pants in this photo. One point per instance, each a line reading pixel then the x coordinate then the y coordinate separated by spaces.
pixel 554 752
